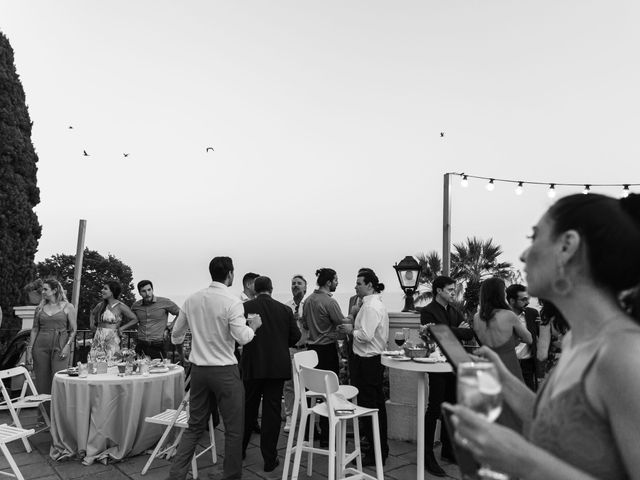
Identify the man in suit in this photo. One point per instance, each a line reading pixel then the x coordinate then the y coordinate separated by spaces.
pixel 529 317
pixel 442 386
pixel 265 367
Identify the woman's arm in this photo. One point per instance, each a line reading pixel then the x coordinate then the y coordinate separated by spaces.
pixel 32 338
pixel 93 318
pixel 70 310
pixel 129 316
pixel 544 341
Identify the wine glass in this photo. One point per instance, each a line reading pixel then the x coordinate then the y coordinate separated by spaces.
pixel 398 337
pixel 406 333
pixel 480 389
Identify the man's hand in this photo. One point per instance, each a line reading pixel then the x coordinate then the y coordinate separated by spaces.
pixel 254 321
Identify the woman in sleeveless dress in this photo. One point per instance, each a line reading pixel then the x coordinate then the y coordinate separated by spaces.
pixel 107 321
pixel 497 327
pixel 53 331
pixel 584 422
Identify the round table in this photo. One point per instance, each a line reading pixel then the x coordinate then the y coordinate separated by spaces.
pixel 102 416
pixel 422 369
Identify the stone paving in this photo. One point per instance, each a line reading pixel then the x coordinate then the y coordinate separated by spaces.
pixel 400 465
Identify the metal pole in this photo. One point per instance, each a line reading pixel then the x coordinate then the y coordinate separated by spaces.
pixel 77 274
pixel 446 225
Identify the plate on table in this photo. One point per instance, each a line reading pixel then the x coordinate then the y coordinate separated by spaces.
pixel 158 370
pixel 426 360
pixel 72 372
pixel 393 353
pixel 400 358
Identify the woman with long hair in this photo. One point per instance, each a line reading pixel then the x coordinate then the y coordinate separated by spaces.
pixel 584 422
pixel 497 327
pixel 106 321
pixel 53 331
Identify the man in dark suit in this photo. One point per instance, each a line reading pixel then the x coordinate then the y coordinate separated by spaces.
pixel 526 353
pixel 442 386
pixel 265 367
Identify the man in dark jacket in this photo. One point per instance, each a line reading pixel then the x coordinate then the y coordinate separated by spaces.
pixel 442 386
pixel 529 317
pixel 265 367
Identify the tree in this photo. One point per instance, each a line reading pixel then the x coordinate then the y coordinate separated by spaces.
pixel 431 266
pixel 96 271
pixel 19 194
pixel 472 262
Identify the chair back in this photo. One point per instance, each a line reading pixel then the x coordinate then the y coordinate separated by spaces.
pixel 12 373
pixel 324 381
pixel 308 358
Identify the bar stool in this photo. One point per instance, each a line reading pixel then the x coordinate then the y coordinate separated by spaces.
pixel 309 358
pixel 338 411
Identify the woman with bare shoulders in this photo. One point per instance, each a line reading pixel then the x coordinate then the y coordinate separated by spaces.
pixel 107 320
pixel 584 423
pixel 53 331
pixel 497 327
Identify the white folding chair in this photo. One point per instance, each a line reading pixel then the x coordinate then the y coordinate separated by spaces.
pixel 28 398
pixel 319 380
pixel 9 434
pixel 179 419
pixel 309 358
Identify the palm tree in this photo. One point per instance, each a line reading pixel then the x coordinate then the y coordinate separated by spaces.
pixel 474 261
pixel 431 265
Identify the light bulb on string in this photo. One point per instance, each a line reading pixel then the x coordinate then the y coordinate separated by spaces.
pixel 490 186
pixel 464 182
pixel 625 191
pixel 587 189
pixel 519 189
pixel 551 193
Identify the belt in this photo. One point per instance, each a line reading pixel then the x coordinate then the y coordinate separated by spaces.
pixel 300 347
pixel 111 326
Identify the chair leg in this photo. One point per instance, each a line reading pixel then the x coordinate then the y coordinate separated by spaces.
pixel 356 441
pixel 376 446
pixel 312 431
pixel 331 472
pixel 159 445
pixel 292 433
pixel 194 466
pixel 342 449
pixel 299 444
pixel 11 461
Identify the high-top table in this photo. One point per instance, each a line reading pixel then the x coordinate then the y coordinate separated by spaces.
pixel 422 369
pixel 101 417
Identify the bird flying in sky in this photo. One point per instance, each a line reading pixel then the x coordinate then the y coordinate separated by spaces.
pixel 84 152
pixel 125 155
pixel 442 134
pixel 70 127
pixel 209 148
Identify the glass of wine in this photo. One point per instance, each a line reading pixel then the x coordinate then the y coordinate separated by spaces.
pixel 479 389
pixel 398 337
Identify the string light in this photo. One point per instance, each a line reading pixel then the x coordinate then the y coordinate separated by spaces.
pixel 491 185
pixel 519 188
pixel 625 191
pixel 625 188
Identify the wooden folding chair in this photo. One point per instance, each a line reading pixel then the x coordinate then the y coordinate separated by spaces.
pixel 24 400
pixel 179 419
pixel 9 434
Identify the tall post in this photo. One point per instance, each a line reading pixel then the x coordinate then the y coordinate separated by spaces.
pixel 446 225
pixel 77 275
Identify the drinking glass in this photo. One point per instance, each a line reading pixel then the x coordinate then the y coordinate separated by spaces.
pixel 406 333
pixel 479 389
pixel 398 337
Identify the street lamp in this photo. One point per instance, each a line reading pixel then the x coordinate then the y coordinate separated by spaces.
pixel 408 271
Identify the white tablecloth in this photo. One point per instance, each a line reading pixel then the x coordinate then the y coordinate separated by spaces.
pixel 102 416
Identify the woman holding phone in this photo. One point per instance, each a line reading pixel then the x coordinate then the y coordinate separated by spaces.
pixel 585 421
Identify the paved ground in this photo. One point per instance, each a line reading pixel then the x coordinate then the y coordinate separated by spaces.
pixel 401 464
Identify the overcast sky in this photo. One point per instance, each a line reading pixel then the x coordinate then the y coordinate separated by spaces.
pixel 325 118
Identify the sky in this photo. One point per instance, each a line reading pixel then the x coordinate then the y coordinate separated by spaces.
pixel 325 119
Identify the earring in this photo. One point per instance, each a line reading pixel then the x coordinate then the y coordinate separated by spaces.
pixel 561 285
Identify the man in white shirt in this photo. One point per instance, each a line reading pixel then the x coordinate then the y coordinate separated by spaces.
pixel 299 290
pixel 216 319
pixel 370 334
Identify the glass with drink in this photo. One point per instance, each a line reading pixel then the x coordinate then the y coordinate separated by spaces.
pixel 479 389
pixel 398 337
